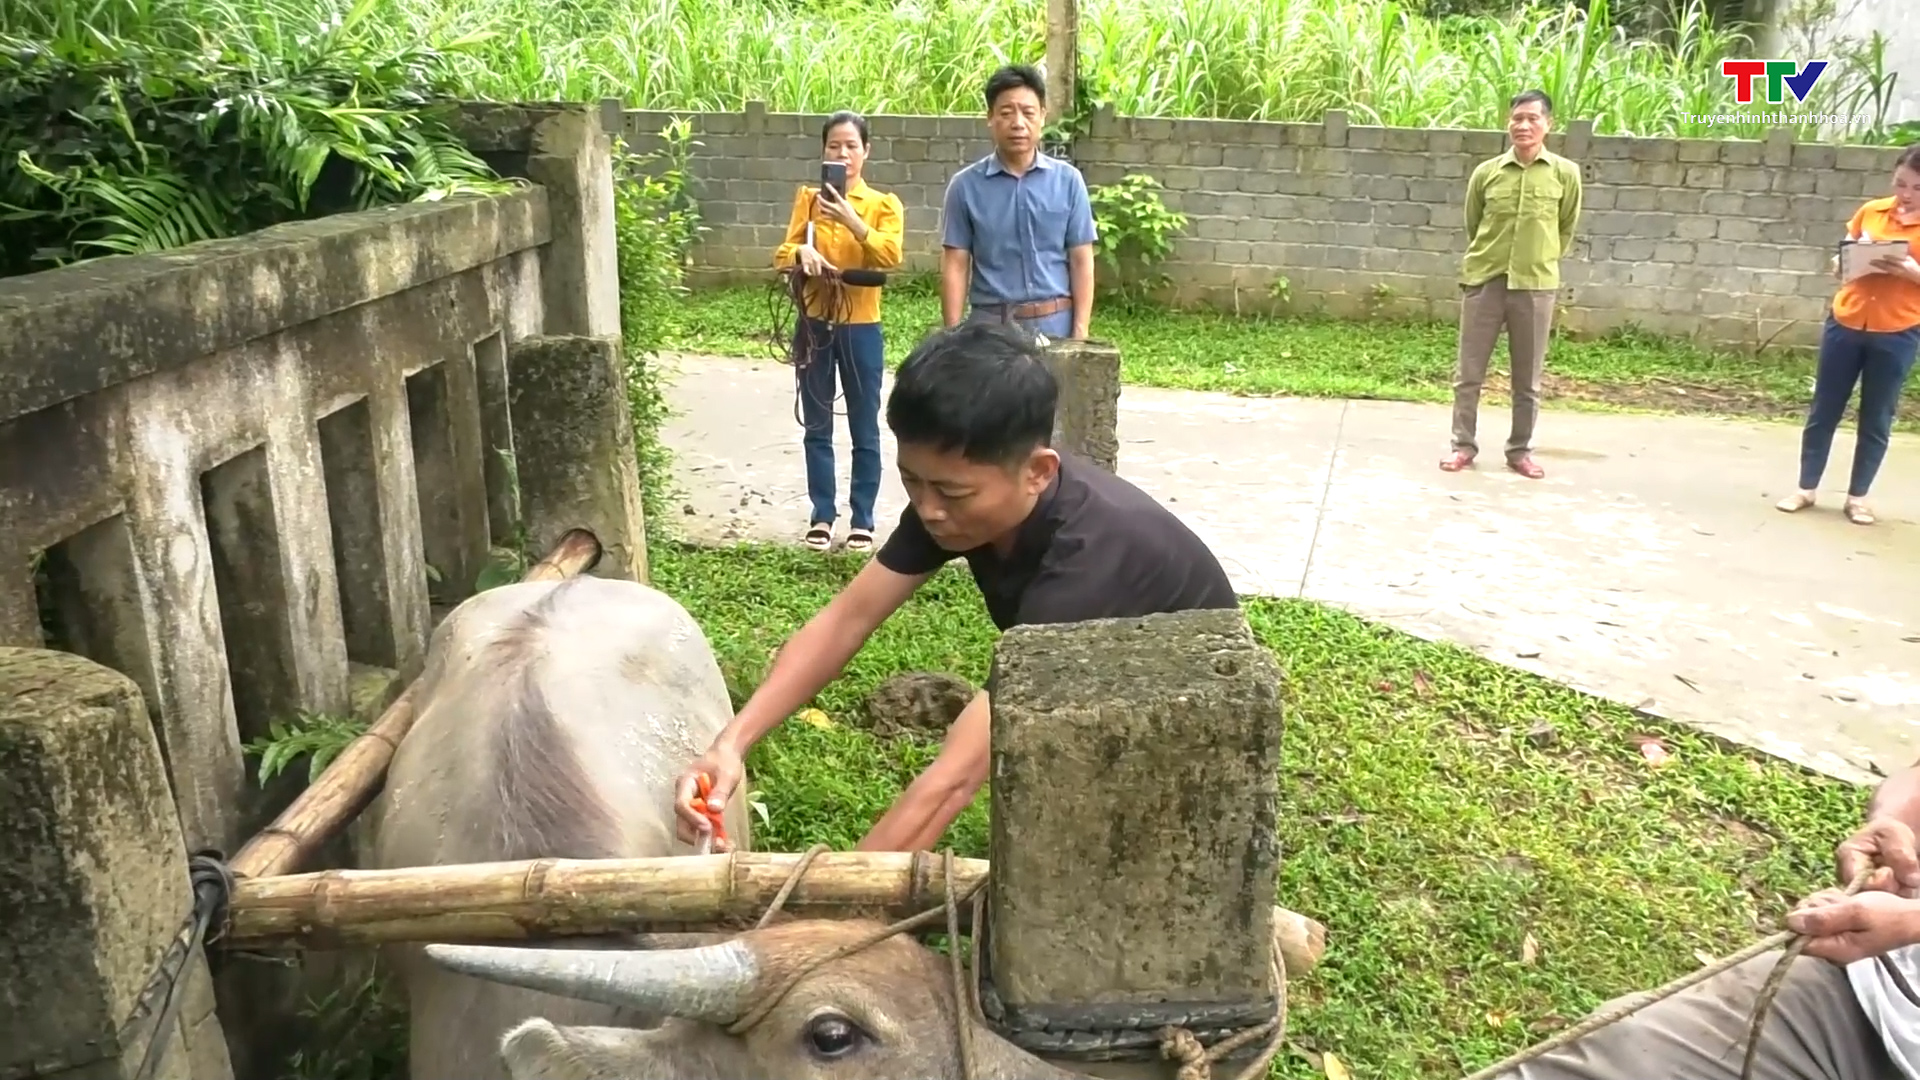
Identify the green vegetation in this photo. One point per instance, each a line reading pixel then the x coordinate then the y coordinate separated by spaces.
pixel 1632 66
pixel 116 144
pixel 1311 357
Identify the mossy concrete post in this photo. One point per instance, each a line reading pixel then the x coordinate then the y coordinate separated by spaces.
pixel 93 878
pixel 1087 420
pixel 580 268
pixel 574 450
pixel 1134 798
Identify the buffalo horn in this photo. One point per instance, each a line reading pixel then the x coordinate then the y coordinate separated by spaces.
pixel 710 983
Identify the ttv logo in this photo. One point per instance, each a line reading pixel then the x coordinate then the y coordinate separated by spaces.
pixel 1781 76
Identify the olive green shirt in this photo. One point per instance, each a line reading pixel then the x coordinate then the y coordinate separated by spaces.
pixel 1520 220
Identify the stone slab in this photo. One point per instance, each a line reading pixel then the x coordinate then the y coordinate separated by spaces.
pixel 1648 567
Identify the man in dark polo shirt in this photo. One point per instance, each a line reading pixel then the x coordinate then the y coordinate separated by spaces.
pixel 1050 538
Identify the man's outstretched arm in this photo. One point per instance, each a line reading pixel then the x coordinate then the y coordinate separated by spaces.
pixel 917 820
pixel 810 659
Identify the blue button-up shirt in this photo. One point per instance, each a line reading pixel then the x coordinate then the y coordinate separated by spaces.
pixel 1017 229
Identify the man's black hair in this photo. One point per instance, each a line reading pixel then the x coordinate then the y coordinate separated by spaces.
pixel 1524 96
pixel 978 388
pixel 1012 76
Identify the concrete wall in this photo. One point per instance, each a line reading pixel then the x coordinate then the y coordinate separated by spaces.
pixel 1723 240
pixel 226 470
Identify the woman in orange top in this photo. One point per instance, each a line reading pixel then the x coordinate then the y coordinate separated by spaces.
pixel 1871 336
pixel 827 233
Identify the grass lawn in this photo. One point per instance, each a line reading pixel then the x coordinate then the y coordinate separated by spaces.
pixel 1325 358
pixel 1480 886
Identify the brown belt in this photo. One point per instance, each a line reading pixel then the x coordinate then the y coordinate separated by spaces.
pixel 1038 309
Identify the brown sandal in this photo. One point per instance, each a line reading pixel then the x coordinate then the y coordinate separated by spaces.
pixel 1460 459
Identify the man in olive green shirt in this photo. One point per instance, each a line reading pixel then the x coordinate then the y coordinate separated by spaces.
pixel 1521 210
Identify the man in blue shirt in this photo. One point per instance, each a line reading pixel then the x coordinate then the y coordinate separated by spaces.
pixel 1018 225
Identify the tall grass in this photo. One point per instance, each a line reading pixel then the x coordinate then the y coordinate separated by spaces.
pixel 1241 59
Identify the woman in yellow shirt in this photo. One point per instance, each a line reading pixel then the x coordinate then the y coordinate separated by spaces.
pixel 1871 337
pixel 829 232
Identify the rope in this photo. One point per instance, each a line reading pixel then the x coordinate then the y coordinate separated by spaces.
pixel 1795 944
pixel 1197 1062
pixel 212 884
pixel 789 338
pixel 1177 1043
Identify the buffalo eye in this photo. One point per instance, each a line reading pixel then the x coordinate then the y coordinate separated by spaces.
pixel 832 1036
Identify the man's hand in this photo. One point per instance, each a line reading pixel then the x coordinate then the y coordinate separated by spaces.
pixel 1843 929
pixel 723 766
pixel 1884 845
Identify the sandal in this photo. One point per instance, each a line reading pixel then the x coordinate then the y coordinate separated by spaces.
pixel 819 537
pixel 1857 512
pixel 1459 460
pixel 1799 500
pixel 1527 467
pixel 860 540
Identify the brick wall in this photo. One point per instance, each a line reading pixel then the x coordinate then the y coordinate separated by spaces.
pixel 1723 240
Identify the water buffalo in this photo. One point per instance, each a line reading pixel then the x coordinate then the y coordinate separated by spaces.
pixel 552 720
pixel 883 1013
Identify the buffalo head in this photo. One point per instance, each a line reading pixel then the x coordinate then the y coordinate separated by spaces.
pixel 884 1012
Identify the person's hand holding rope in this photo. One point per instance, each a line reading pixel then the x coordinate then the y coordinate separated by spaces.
pixel 1885 846
pixel 1842 928
pixel 812 263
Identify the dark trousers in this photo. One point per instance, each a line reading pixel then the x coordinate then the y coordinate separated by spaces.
pixel 855 354
pixel 1880 363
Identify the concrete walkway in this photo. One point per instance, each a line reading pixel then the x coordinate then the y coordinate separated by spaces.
pixel 1648 567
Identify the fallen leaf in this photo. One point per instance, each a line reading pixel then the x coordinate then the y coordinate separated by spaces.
pixel 1529 949
pixel 1335 1069
pixel 816 718
pixel 1498 1018
pixel 1688 683
pixel 1704 957
pixel 1547 1023
pixel 1384 687
pixel 1422 684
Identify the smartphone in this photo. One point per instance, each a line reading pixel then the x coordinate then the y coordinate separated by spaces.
pixel 833 174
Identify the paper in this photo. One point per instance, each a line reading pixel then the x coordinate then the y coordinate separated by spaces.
pixel 1856 257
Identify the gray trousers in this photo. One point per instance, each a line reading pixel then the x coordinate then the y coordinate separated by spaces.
pixel 1816 1031
pixel 1527 316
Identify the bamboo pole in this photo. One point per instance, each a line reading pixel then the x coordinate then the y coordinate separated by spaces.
pixel 541 898
pixel 353 778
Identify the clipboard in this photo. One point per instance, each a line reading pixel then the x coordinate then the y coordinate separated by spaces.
pixel 1856 256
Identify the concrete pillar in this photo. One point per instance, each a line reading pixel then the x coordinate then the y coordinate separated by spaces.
pixel 572 158
pixel 1087 421
pixel 1141 755
pixel 93 878
pixel 573 447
